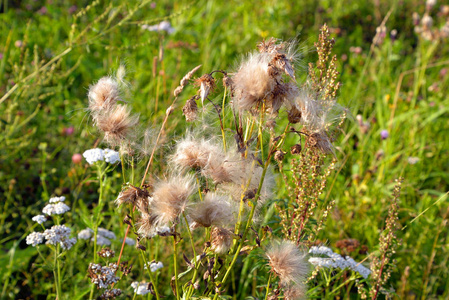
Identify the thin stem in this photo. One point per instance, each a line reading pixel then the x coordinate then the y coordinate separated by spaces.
pixel 195 271
pixel 150 274
pixel 59 273
pixel 175 263
pixel 95 223
pixel 56 273
pixel 223 118
pixel 268 286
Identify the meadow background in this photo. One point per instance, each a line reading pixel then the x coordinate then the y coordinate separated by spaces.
pixel 51 51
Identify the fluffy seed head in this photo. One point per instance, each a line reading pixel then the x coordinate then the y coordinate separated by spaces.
pixel 214 210
pixel 193 153
pixel 289 263
pixel 253 81
pixel 221 240
pixel 117 124
pixel 170 198
pixel 103 95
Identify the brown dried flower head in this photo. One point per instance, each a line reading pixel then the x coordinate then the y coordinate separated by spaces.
pixel 190 110
pixel 206 84
pixel 130 195
pixel 106 253
pixel 117 124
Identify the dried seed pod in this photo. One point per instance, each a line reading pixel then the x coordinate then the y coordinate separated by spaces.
pixel 106 253
pixel 190 110
pixel 294 115
pixel 296 149
pixel 206 84
pixel 221 240
pixel 279 156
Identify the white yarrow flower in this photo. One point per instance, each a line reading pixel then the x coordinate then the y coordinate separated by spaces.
pixel 130 241
pixel 85 234
pixel 336 261
pixel 106 233
pixel 57 234
pixel 57 199
pixel 68 243
pixel 39 219
pixel 162 26
pixel 156 266
pixel 56 209
pixel 101 240
pixel 93 155
pixel 34 239
pixel 140 288
pixel 111 156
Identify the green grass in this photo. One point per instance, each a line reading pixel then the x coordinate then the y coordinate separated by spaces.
pixel 61 55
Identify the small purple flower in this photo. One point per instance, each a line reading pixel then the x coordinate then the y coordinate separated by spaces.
pixel 1 55
pixel 43 10
pixel 384 134
pixel 69 130
pixel 72 9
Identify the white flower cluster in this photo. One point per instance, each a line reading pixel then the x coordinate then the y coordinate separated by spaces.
pixel 35 238
pixel 59 234
pixel 111 156
pixel 39 219
pixel 56 209
pixel 162 26
pixel 140 288
pixel 57 199
pixel 335 260
pixel 130 241
pixel 154 266
pixel 107 155
pixel 104 276
pixel 104 236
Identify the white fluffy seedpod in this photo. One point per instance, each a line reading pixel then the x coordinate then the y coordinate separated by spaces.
pixel 170 198
pixel 214 210
pixel 291 265
pixel 103 95
pixel 253 81
pixel 221 240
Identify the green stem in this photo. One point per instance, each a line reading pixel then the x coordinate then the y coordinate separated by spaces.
pixel 56 273
pixel 151 275
pixel 268 286
pixel 175 265
pixel 195 271
pixel 95 223
pixel 59 273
